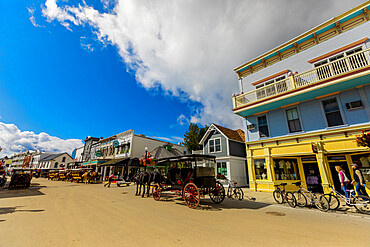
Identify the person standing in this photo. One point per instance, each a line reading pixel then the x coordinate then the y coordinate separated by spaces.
pixel 344 181
pixel 359 179
pixel 110 179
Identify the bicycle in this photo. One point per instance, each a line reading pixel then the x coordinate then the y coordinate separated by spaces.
pixel 304 196
pixel 281 196
pixel 234 192
pixel 360 202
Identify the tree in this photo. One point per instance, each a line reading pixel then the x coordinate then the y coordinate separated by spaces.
pixel 193 136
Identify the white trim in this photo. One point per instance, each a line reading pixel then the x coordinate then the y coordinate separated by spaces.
pixel 299 119
pixel 344 119
pixel 230 157
pixel 209 145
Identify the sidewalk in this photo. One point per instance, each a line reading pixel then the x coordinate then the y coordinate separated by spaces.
pixel 266 197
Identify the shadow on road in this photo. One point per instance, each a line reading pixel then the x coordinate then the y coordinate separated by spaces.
pixel 10 210
pixel 208 205
pixel 18 192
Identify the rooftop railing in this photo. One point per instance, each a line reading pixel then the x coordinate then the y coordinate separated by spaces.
pixel 325 71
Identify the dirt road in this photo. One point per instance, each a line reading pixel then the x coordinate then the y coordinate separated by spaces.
pixel 53 213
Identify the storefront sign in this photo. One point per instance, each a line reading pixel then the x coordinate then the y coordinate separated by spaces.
pixel 98 153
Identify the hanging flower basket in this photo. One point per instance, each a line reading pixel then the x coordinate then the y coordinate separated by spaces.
pixel 363 140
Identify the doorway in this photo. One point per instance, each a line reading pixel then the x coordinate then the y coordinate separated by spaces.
pixel 312 175
pixel 334 173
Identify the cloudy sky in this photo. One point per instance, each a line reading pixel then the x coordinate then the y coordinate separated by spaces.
pixel 70 68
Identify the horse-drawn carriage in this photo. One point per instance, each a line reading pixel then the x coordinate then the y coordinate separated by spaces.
pixel 21 177
pixel 190 177
pixel 53 174
pixel 77 175
pixel 62 175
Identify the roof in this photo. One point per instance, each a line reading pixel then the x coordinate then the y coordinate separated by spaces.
pixel 162 152
pixel 236 135
pixel 53 156
pixel 188 157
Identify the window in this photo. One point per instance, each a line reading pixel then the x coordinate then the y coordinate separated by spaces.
pixel 64 159
pixel 56 165
pixel 332 112
pixel 286 169
pixel 221 168
pixel 262 126
pixel 293 120
pixel 260 169
pixel 215 145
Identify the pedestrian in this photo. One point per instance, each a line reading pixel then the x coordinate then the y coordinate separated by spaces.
pixel 344 181
pixel 359 179
pixel 110 179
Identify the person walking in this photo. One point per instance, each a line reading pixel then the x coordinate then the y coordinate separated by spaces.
pixel 344 181
pixel 359 179
pixel 110 179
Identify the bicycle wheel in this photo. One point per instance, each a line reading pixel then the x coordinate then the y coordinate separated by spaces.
pixel 229 192
pixel 278 196
pixel 291 199
pixel 301 199
pixel 333 201
pixel 241 197
pixel 236 195
pixel 321 202
pixel 362 204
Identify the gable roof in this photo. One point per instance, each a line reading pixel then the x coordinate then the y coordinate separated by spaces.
pixel 235 135
pixel 53 156
pixel 162 152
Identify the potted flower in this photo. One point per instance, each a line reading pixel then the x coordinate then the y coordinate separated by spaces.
pixel 363 140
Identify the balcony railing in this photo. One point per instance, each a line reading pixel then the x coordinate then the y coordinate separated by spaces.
pixel 331 69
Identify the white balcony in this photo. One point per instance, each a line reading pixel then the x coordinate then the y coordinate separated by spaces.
pixel 315 78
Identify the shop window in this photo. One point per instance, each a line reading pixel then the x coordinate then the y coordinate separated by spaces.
pixel 260 169
pixel 364 165
pixel 286 169
pixel 293 120
pixel 221 168
pixel 215 145
pixel 262 126
pixel 332 112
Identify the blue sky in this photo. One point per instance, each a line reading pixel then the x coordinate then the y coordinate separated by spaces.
pixel 69 69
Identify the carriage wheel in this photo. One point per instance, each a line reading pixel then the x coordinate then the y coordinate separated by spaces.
pixel 191 195
pixel 156 192
pixel 217 194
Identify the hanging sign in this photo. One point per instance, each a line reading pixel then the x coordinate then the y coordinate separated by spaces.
pixel 98 153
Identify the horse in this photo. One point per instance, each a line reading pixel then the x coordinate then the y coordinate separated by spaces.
pixel 144 179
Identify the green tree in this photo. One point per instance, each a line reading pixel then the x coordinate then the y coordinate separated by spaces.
pixel 193 136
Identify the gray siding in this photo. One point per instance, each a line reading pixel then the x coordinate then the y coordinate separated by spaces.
pixel 237 149
pixel 214 135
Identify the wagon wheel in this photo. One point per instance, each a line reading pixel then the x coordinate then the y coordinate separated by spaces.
pixel 156 192
pixel 217 194
pixel 191 195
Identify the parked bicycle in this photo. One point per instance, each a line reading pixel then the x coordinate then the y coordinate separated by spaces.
pixel 234 192
pixel 307 198
pixel 281 196
pixel 360 202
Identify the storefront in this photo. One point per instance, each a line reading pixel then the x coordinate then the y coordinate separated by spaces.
pixel 308 159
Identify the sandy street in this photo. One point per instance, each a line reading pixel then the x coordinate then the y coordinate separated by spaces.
pixel 56 213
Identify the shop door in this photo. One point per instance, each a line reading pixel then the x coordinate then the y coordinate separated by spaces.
pixel 334 173
pixel 313 178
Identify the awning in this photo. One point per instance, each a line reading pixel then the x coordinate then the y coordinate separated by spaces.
pixel 134 162
pixel 116 162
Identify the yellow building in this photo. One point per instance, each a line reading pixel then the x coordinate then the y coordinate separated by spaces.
pixel 305 102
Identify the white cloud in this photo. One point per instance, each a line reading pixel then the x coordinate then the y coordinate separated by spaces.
pixel 193 46
pixel 13 140
pixel 32 17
